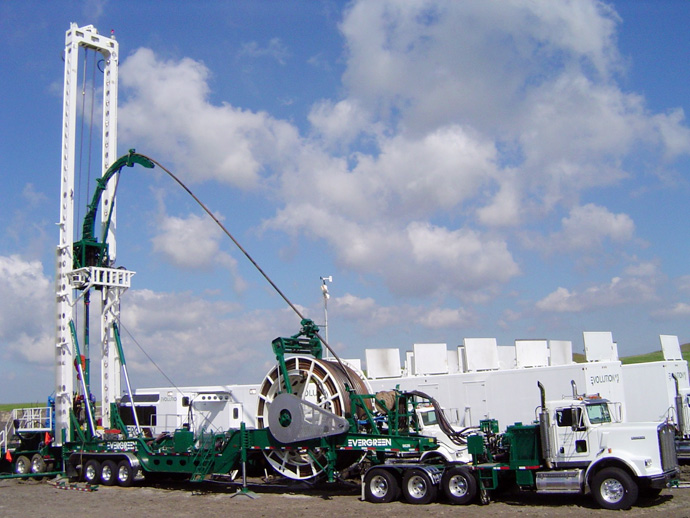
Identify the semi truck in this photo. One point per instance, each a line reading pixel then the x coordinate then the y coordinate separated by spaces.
pixel 470 382
pixel 578 445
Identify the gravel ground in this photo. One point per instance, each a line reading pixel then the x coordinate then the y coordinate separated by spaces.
pixel 42 499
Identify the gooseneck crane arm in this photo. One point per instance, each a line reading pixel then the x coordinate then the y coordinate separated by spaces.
pixel 88 251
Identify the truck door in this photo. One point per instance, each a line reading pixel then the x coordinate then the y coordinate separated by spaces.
pixel 571 441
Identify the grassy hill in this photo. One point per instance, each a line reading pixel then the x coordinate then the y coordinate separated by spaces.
pixel 8 407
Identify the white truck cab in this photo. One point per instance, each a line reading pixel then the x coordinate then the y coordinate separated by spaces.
pixel 447 450
pixel 586 445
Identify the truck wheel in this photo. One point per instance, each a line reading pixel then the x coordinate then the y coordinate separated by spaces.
pixel 459 485
pixel 125 473
pixel 109 473
pixel 22 466
pixel 417 487
pixel 613 488
pixel 92 471
pixel 380 486
pixel 38 465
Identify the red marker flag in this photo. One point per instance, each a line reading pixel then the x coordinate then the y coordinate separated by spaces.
pixel 8 456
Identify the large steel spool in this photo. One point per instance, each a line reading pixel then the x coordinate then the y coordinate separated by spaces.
pixel 320 382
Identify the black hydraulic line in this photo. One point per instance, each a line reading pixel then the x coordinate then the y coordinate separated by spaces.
pixel 458 437
pixel 256 265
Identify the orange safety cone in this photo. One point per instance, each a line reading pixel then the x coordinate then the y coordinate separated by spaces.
pixel 8 456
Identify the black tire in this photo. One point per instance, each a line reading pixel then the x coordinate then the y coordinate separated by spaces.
pixel 109 473
pixel 381 486
pixel 613 488
pixel 91 472
pixel 459 485
pixel 125 474
pixel 22 465
pixel 417 487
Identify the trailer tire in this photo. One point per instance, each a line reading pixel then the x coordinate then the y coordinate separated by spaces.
pixel 23 465
pixel 109 473
pixel 92 471
pixel 38 465
pixel 381 486
pixel 124 474
pixel 418 488
pixel 459 485
pixel 613 488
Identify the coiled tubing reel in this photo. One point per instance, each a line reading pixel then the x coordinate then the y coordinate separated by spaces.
pixel 318 382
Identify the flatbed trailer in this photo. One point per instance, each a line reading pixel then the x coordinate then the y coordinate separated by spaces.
pixel 117 460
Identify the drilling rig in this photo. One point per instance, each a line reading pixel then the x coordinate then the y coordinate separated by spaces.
pixel 317 418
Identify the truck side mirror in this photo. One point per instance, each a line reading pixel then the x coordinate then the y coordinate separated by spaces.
pixel 578 424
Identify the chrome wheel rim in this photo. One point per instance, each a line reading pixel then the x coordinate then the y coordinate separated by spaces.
pixel 612 490
pixel 106 474
pixel 416 486
pixel 457 485
pixel 379 486
pixel 90 473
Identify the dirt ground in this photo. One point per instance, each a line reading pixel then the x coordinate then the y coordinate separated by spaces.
pixel 42 499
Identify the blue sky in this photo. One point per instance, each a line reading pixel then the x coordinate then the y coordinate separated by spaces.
pixel 462 169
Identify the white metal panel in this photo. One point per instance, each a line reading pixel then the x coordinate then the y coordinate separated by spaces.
pixel 383 363
pixel 453 362
pixel 477 407
pixel 506 357
pixel 409 363
pixel 561 352
pixel 531 353
pixel 481 354
pixel 599 346
pixel 462 363
pixel 355 363
pixel 430 359
pixel 670 347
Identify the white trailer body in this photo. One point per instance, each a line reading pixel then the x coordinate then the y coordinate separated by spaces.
pixel 213 408
pixel 650 389
pixel 481 380
pixel 659 390
pixel 508 395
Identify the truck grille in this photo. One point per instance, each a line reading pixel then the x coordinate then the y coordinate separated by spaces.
pixel 667 447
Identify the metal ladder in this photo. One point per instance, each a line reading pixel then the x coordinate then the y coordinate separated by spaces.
pixel 204 457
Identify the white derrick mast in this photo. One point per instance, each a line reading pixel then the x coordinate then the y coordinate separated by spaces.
pixel 110 282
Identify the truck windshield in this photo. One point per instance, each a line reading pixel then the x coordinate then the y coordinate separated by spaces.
pixel 429 418
pixel 598 413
